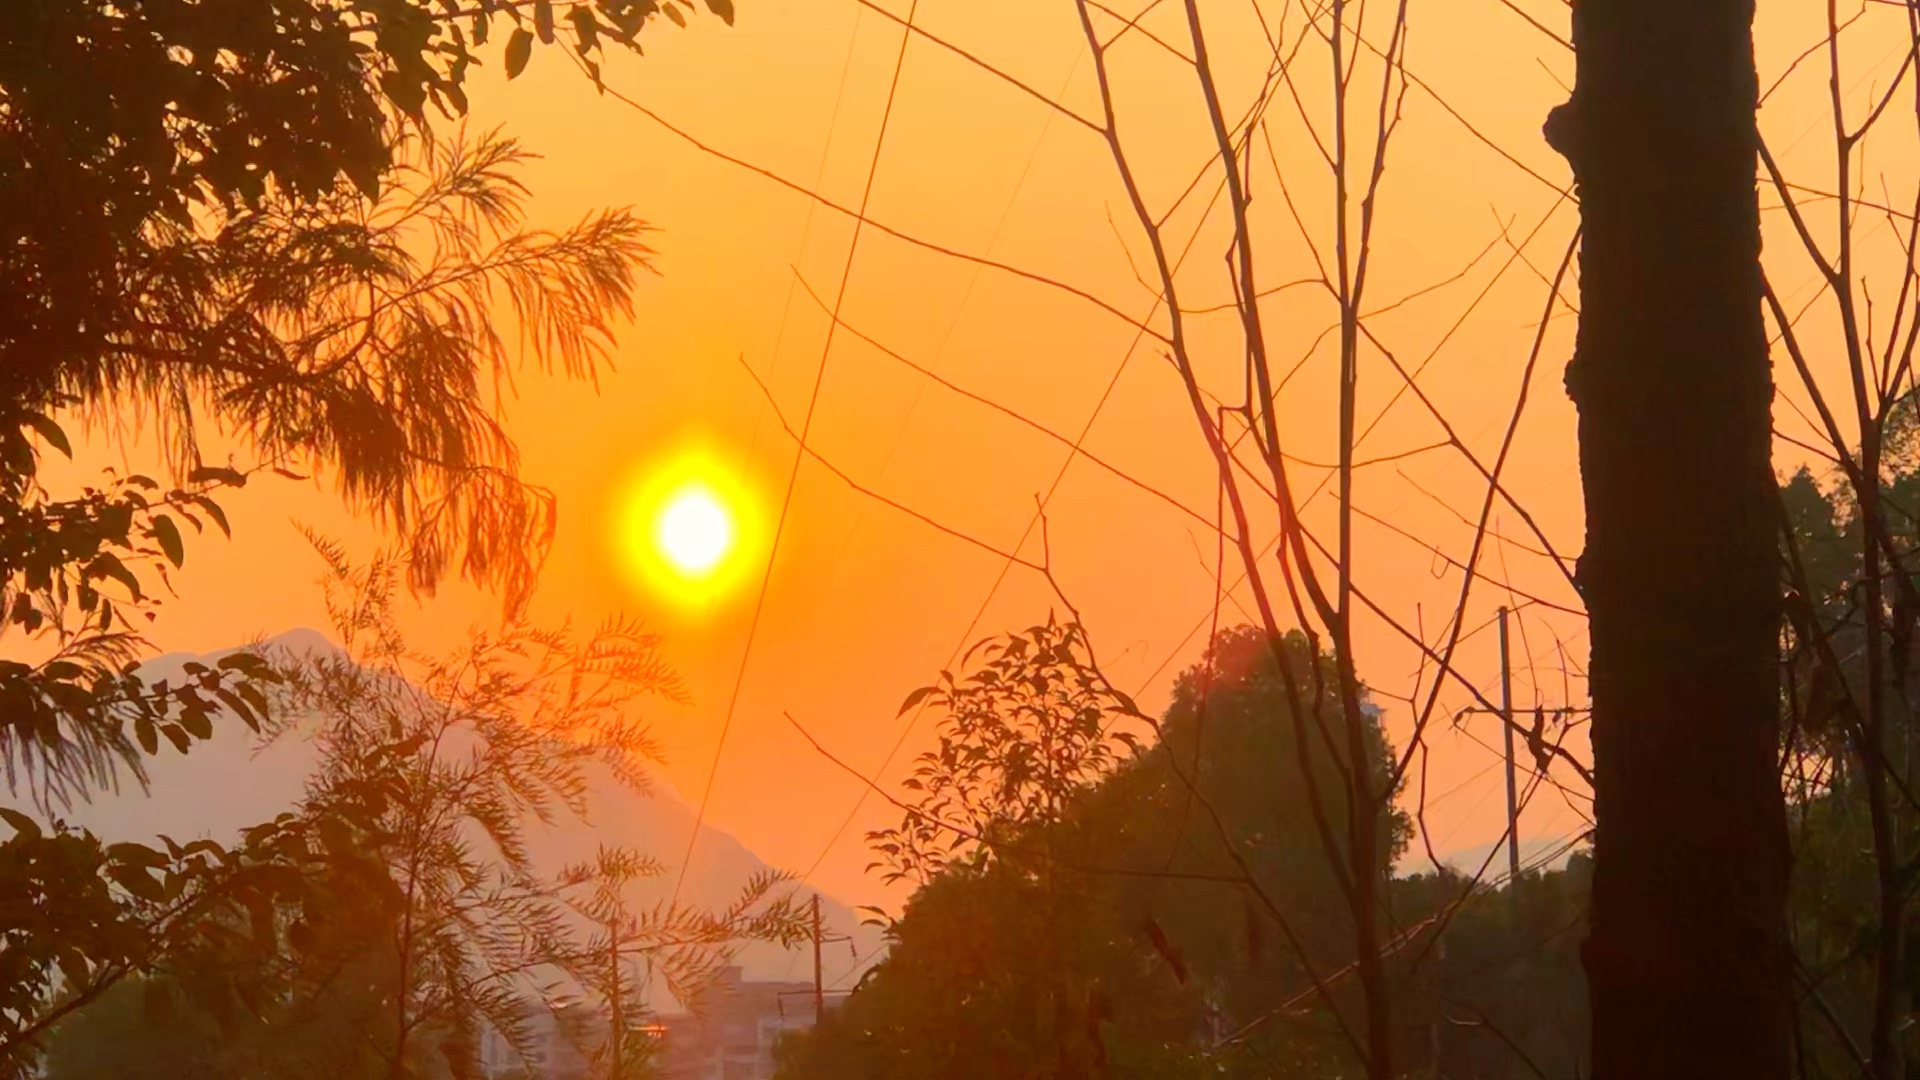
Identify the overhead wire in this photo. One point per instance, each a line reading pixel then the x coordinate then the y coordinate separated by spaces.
pixel 1005 214
pixel 860 217
pixel 806 227
pixel 800 457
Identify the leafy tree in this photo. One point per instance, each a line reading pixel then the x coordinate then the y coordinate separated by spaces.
pixel 1019 737
pixel 81 916
pixel 1492 979
pixel 371 315
pixel 116 1040
pixel 1108 921
pixel 397 914
pixel 623 949
pixel 131 132
pixel 453 759
pixel 373 334
pixel 231 217
pixel 1844 916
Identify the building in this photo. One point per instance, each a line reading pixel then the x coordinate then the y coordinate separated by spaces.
pixel 732 1035
pixel 563 1035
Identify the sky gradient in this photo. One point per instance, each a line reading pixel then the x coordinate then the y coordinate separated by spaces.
pixel 864 602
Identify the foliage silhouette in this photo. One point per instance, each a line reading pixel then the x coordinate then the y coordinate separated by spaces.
pixel 1013 958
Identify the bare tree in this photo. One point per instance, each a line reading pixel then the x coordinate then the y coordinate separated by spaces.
pixel 1219 245
pixel 1849 566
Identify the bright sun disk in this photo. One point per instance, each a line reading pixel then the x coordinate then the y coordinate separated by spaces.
pixel 695 531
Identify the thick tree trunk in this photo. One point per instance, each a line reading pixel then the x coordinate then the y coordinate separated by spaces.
pixel 1687 962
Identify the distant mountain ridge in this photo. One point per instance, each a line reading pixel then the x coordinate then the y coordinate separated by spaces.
pixel 229 782
pixel 1546 853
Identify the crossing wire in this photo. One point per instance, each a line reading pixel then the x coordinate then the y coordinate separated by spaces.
pixel 793 476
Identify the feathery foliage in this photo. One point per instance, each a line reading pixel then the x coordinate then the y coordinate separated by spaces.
pixel 455 758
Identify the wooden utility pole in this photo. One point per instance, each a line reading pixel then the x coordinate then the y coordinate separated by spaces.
pixel 820 937
pixel 819 987
pixel 616 1017
pixel 1506 729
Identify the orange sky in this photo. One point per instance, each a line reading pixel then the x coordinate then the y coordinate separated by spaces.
pixel 865 603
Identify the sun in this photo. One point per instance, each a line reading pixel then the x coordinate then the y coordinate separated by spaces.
pixel 686 527
pixel 695 530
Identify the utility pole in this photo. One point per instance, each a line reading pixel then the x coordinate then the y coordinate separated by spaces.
pixel 1506 728
pixel 616 1022
pixel 820 937
pixel 819 988
pixel 1505 713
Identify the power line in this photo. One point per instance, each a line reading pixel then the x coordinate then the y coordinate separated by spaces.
pixel 793 476
pixel 1074 452
pixel 1005 213
pixel 806 228
pixel 953 324
pixel 860 219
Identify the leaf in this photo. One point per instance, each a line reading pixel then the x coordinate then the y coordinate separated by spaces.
pixel 519 51
pixel 107 564
pixel 674 14
pixel 252 696
pixel 722 8
pixel 49 431
pixel 22 824
pixel 135 880
pixel 218 515
pixel 148 735
pixel 165 531
pixel 73 967
pixel 365 175
pixel 584 28
pixel 136 855
pixel 335 834
pixel 238 707
pixel 260 915
pixel 913 699
pixel 543 20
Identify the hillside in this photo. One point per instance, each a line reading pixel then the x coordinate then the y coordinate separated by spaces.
pixel 231 781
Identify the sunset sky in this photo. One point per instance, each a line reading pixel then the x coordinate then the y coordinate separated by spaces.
pixel 864 602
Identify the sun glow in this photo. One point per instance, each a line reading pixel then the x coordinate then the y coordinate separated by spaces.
pixel 695 531
pixel 687 528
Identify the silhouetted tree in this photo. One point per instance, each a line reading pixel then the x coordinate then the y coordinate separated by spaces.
pixel 1687 958
pixel 1089 899
pixel 132 132
pixel 230 219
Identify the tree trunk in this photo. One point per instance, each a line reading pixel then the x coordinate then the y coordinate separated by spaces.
pixel 1687 961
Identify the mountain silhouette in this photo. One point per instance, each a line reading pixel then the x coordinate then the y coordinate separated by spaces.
pixel 232 780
